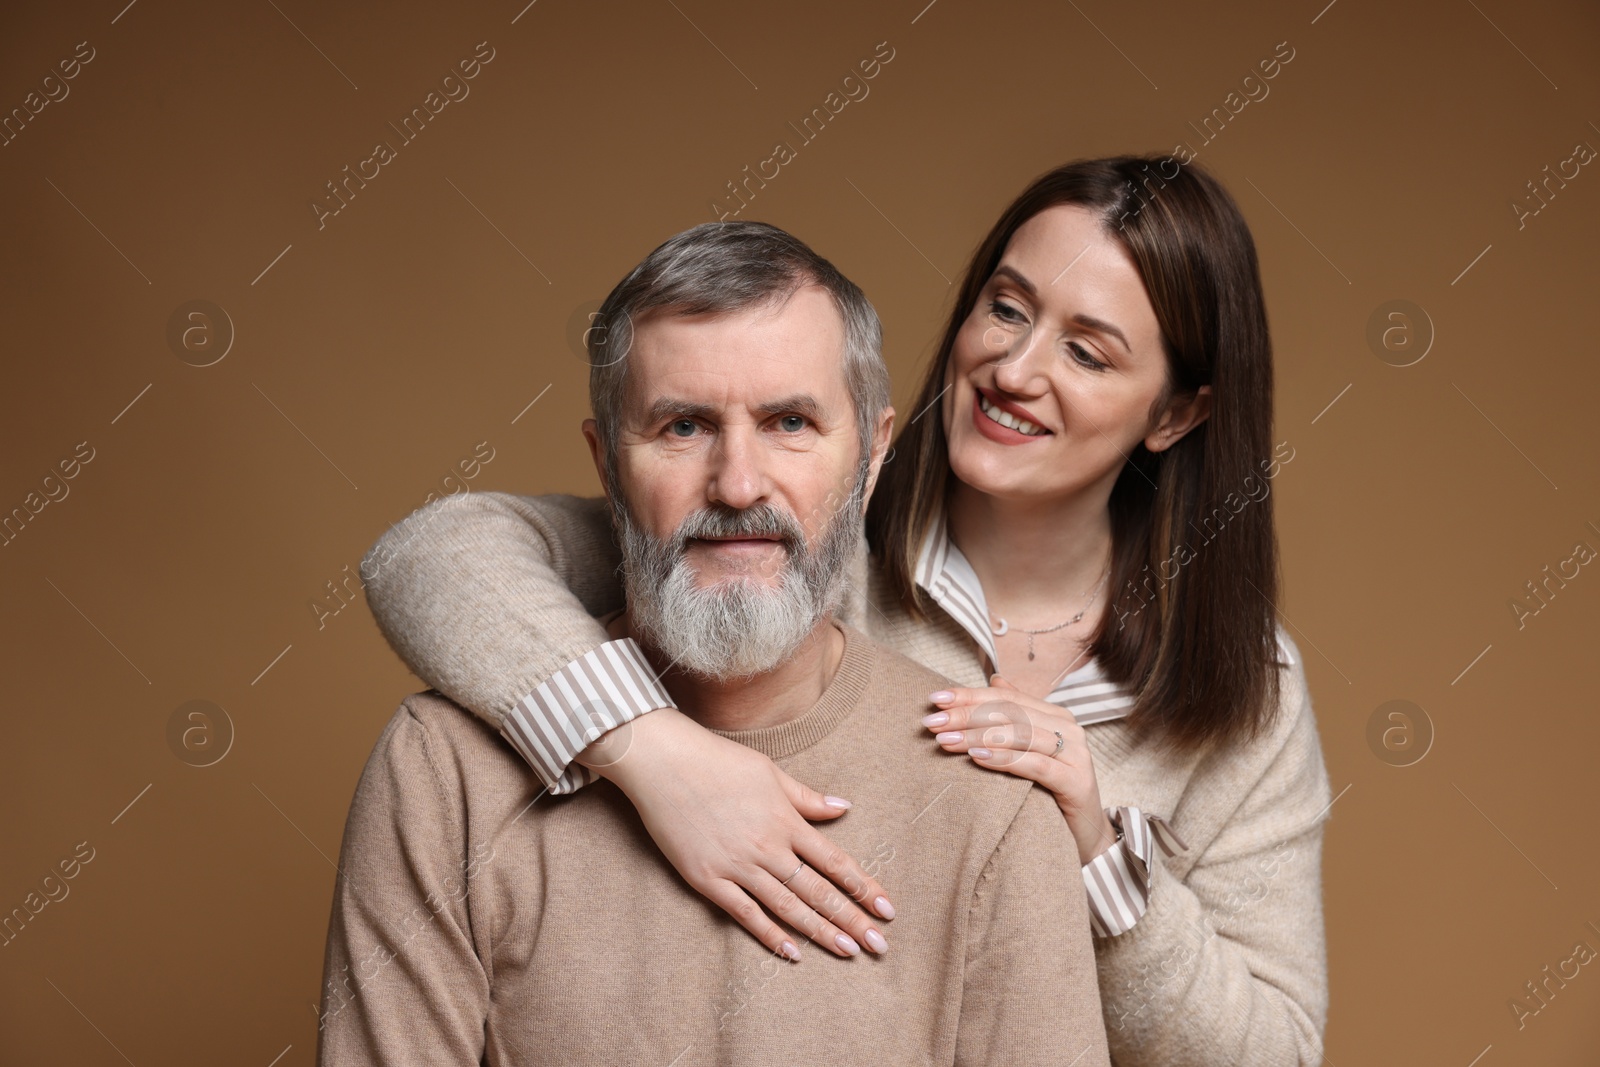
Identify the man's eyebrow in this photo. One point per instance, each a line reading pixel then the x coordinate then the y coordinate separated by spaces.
pixel 1089 321
pixel 665 407
pixel 798 404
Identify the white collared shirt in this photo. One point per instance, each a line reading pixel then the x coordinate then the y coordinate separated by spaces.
pixel 949 579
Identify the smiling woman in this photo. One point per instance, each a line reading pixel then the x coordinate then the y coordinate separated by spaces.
pixel 1084 365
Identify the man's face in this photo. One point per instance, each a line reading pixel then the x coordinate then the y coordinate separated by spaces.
pixel 740 478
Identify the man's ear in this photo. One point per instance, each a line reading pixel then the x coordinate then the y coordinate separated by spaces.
pixel 882 434
pixel 591 434
pixel 1183 414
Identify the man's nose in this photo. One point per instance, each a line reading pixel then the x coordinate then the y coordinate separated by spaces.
pixel 738 469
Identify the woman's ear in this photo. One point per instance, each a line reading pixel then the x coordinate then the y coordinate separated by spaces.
pixel 1183 414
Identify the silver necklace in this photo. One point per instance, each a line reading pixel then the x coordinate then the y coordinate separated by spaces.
pixel 1004 627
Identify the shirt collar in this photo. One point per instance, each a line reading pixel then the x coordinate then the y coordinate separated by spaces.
pixel 946 575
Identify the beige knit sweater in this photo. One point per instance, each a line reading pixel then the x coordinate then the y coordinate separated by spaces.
pixel 486 595
pixel 476 920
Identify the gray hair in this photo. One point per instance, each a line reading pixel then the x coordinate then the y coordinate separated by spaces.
pixel 724 267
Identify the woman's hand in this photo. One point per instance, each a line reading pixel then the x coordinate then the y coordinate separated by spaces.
pixel 734 825
pixel 1004 729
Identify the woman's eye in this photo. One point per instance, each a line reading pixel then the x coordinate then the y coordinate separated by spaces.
pixel 792 423
pixel 1003 312
pixel 684 428
pixel 1082 357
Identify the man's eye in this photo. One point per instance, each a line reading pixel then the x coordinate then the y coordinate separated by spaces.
pixel 792 423
pixel 684 428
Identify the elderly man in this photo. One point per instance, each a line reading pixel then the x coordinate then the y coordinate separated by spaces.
pixel 740 422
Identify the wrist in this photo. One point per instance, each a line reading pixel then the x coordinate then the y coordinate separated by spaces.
pixel 1107 835
pixel 617 754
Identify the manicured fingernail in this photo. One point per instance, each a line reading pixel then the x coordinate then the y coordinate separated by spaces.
pixel 938 718
pixel 876 942
pixel 949 737
pixel 836 802
pixel 848 943
pixel 790 951
pixel 943 696
pixel 981 753
pixel 885 908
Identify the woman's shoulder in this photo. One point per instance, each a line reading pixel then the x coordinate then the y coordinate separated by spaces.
pixel 1294 721
pixel 1276 782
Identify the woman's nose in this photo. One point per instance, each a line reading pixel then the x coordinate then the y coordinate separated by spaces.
pixel 1020 364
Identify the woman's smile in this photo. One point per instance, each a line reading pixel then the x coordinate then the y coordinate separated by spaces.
pixel 1002 421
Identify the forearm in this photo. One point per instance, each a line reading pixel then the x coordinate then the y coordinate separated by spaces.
pixel 486 595
pixel 1234 973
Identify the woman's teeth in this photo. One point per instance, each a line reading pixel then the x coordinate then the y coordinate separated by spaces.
pixel 1006 419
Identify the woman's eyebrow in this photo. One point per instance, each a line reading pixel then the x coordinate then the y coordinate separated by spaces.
pixel 1089 321
pixel 1015 275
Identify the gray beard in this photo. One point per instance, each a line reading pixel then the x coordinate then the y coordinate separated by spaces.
pixel 737 628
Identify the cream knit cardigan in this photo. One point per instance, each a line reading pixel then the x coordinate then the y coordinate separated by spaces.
pixel 486 595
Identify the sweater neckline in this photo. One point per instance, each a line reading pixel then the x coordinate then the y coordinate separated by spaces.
pixel 839 699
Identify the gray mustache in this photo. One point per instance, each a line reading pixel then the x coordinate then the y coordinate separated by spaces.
pixel 760 520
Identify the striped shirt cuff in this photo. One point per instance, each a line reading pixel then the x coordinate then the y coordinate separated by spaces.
pixel 596 692
pixel 1118 880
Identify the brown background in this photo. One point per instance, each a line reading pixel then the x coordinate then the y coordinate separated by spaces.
pixel 373 354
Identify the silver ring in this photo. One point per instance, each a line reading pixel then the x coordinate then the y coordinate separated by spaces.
pixel 796 871
pixel 1061 742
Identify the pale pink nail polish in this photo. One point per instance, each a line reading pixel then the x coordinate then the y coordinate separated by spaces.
pixel 949 737
pixel 848 943
pixel 876 942
pixel 885 908
pixel 943 696
pixel 836 802
pixel 790 951
pixel 938 718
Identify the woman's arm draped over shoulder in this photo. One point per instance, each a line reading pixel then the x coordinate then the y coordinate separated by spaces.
pixel 1229 966
pixel 491 597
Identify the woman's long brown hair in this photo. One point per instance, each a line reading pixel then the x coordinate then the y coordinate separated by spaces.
pixel 1191 633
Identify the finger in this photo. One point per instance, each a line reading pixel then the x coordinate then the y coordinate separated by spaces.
pixel 829 902
pixel 1058 742
pixel 842 891
pixel 841 869
pixel 1000 681
pixel 990 713
pixel 731 898
pixel 1016 738
pixel 956 697
pixel 810 803
pixel 1050 773
pixel 784 901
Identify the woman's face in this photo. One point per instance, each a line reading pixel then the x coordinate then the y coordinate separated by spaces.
pixel 1054 374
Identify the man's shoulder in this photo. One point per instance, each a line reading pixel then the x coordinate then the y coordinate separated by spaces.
pixel 431 735
pixel 979 801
